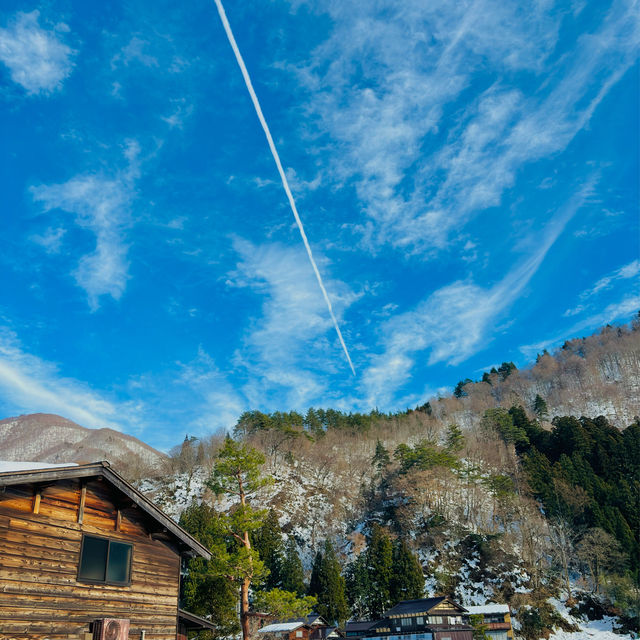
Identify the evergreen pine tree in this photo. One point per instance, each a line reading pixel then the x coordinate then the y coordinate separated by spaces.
pixel 358 587
pixel 381 457
pixel 328 585
pixel 407 581
pixel 206 590
pixel 267 541
pixel 291 573
pixel 380 568
pixel 540 407
pixel 455 438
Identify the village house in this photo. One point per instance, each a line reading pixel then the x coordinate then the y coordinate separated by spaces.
pixel 286 631
pixel 85 556
pixel 496 618
pixel 425 619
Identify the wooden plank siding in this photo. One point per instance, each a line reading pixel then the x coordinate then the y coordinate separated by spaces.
pixel 40 595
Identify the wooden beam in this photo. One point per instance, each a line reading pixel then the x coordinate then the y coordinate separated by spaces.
pixel 118 519
pixel 37 496
pixel 83 497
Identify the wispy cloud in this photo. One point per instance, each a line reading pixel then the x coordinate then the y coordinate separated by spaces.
pixel 219 403
pixel 135 51
pixel 457 320
pixel 50 240
pixel 287 347
pixel 38 59
pixel 623 309
pixel 181 112
pixel 381 83
pixel 31 384
pixel 626 272
pixel 101 205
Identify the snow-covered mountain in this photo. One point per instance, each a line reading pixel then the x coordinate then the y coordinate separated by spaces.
pixel 44 437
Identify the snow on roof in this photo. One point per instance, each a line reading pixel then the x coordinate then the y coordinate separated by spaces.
pixel 7 466
pixel 281 626
pixel 488 608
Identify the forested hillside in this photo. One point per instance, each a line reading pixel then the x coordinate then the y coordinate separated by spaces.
pixel 521 487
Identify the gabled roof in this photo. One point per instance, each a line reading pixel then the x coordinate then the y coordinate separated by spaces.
pixel 103 470
pixel 313 619
pixel 422 605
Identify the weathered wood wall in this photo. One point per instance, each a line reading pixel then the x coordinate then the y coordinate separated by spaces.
pixel 40 596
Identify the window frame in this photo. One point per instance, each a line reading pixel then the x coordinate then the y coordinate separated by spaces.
pixel 79 578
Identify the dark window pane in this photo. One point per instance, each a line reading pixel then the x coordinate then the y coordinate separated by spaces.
pixel 94 558
pixel 119 562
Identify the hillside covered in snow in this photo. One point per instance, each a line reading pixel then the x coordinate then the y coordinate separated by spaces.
pixel 518 488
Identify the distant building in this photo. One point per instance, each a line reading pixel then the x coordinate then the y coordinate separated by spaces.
pixel 357 629
pixel 425 619
pixel 496 617
pixel 286 631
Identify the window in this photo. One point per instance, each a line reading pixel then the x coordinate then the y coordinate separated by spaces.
pixel 104 560
pixel 405 622
pixel 298 634
pixel 419 620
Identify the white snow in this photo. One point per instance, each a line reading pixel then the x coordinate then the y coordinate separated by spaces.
pixel 7 466
pixel 488 608
pixel 284 626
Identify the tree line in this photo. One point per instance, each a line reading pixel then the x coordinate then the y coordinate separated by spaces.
pixel 254 563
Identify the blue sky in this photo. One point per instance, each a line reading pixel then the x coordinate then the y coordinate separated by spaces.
pixel 466 173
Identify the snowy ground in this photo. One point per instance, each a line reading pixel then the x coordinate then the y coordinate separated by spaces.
pixel 598 629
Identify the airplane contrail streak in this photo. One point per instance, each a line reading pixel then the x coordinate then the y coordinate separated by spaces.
pixel 283 177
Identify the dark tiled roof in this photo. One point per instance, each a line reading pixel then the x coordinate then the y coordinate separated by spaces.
pixel 423 605
pixel 359 625
pixel 414 606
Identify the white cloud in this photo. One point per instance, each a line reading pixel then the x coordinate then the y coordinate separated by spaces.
pixel 456 321
pixel 50 240
pixel 626 272
pixel 218 404
pixel 134 51
pixel 181 112
pixel 31 384
pixel 623 309
pixel 101 205
pixel 37 58
pixel 382 81
pixel 291 346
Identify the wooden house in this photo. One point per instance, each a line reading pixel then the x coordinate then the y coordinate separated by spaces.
pixel 286 631
pixel 437 618
pixel 496 618
pixel 81 548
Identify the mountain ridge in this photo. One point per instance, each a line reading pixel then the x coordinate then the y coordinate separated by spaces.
pixel 46 437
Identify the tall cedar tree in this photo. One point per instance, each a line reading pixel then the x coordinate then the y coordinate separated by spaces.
pixel 540 407
pixel 267 541
pixel 208 589
pixel 291 571
pixel 358 589
pixel 407 582
pixel 380 566
pixel 236 474
pixel 328 585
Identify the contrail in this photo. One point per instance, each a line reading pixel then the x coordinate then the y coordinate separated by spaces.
pixel 283 177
